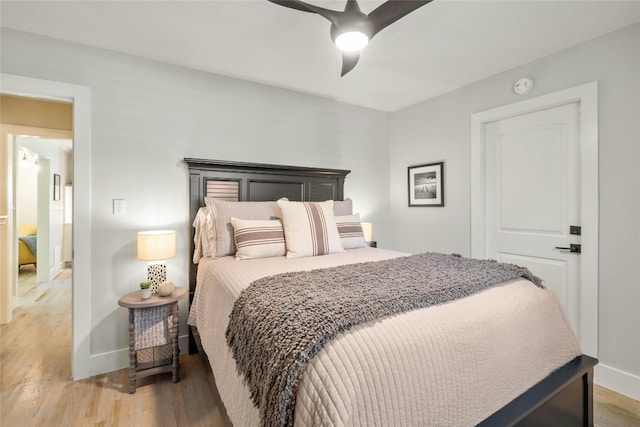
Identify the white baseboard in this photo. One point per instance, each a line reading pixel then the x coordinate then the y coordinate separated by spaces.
pixel 102 363
pixel 110 361
pixel 53 271
pixel 183 344
pixel 617 380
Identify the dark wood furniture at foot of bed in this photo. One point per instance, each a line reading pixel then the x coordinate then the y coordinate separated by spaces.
pixel 563 398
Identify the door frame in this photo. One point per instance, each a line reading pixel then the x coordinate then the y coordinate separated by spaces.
pixel 587 96
pixel 80 96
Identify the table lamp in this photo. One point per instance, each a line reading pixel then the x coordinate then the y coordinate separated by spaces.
pixel 155 246
pixel 367 230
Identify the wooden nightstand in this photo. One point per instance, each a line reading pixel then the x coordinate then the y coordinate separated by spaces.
pixel 153 335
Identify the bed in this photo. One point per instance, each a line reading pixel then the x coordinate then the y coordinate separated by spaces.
pixel 27 245
pixel 388 372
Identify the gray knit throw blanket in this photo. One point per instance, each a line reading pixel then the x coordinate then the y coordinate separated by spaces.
pixel 280 322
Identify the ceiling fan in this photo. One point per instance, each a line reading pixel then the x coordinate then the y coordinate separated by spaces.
pixel 351 29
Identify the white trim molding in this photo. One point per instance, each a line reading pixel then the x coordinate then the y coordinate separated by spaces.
pixel 620 381
pixel 587 96
pixel 117 359
pixel 81 304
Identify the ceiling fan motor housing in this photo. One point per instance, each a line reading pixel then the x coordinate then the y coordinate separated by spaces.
pixel 354 21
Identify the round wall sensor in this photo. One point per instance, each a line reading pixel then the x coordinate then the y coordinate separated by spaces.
pixel 523 86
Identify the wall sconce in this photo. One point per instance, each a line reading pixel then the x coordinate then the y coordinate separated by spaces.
pixel 156 246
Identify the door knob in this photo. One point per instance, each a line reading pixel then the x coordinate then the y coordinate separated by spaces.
pixel 573 248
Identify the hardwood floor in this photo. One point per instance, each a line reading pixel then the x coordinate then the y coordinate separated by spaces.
pixel 36 390
pixel 613 409
pixel 35 385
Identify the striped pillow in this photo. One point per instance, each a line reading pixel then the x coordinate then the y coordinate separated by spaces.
pixel 350 231
pixel 258 238
pixel 309 228
pixel 223 210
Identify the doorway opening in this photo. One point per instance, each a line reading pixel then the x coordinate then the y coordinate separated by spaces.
pixel 44 213
pixel 79 97
pixel 37 133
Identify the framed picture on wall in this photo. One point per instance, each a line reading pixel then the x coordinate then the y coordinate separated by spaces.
pixel 56 186
pixel 426 184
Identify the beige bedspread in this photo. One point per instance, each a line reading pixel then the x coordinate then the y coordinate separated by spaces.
pixel 449 365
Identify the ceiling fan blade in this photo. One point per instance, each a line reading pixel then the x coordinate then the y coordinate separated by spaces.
pixel 331 15
pixel 349 60
pixel 389 12
pixel 292 4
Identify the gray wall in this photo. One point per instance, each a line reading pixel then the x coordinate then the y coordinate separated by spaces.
pixel 148 116
pixel 438 129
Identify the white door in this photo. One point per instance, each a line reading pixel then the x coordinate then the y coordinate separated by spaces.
pixel 534 173
pixel 532 197
pixel 7 261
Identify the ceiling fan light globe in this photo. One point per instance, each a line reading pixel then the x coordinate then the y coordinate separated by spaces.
pixel 351 41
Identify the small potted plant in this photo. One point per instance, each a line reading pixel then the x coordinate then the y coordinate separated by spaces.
pixel 145 290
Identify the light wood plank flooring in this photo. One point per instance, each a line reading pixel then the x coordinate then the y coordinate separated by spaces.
pixel 35 385
pixel 613 409
pixel 35 389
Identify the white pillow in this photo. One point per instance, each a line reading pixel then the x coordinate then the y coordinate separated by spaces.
pixel 258 238
pixel 350 231
pixel 309 228
pixel 343 207
pixel 204 238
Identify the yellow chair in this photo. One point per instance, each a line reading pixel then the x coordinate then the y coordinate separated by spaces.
pixel 25 256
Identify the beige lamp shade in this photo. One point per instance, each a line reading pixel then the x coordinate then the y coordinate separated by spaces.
pixel 156 245
pixel 367 230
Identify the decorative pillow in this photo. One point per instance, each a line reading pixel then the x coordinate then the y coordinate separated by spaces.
pixel 258 238
pixel 344 207
pixel 223 211
pixel 204 238
pixel 26 229
pixel 309 228
pixel 350 231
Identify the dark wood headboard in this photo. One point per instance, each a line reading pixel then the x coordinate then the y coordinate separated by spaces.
pixel 257 182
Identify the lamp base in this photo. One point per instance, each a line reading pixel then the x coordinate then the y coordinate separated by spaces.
pixel 156 274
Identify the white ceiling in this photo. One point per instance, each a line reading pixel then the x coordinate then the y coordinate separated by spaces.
pixel 440 47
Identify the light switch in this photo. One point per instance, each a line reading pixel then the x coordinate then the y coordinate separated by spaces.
pixel 118 206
